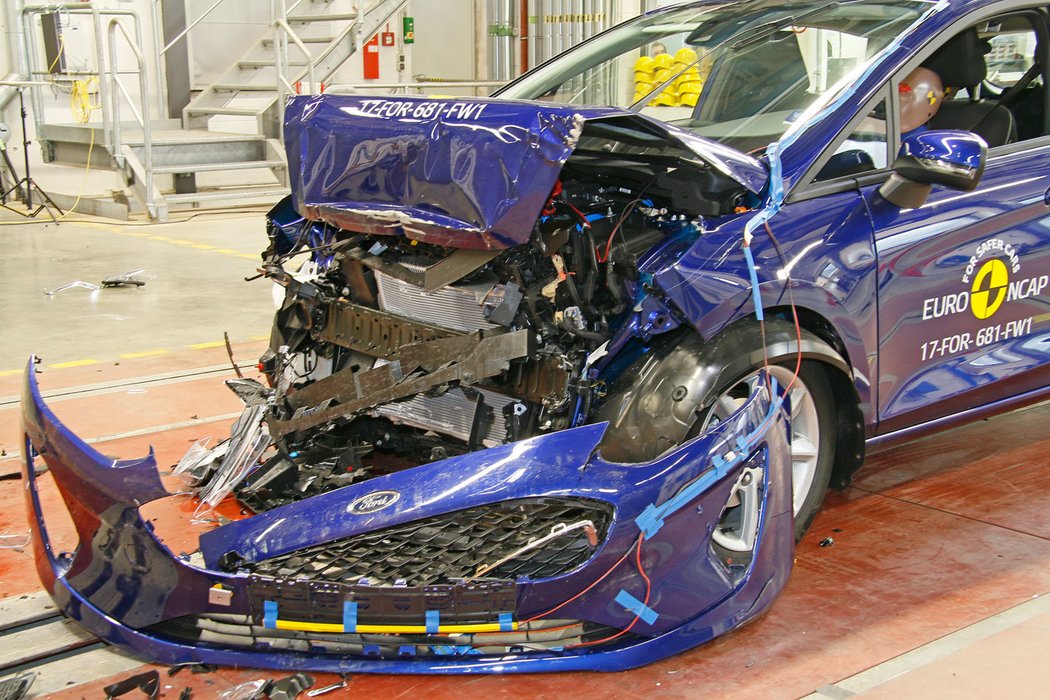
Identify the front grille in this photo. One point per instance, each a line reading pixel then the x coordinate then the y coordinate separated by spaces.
pixel 452 547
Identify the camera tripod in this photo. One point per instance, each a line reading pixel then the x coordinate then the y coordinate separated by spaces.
pixel 25 187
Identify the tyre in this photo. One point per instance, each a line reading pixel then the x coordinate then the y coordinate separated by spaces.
pixel 813 425
pixel 685 386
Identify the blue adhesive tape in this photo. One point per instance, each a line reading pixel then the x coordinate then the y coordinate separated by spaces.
pixel 652 517
pixel 650 521
pixel 506 622
pixel 349 616
pixel 270 614
pixel 756 295
pixel 433 621
pixel 643 611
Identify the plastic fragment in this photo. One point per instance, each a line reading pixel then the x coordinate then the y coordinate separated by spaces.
pixel 148 683
pixel 326 689
pixel 249 440
pixel 14 541
pixel 289 688
pixel 75 284
pixel 244 691
pixel 16 687
pixel 827 542
pixel 130 278
pixel 194 457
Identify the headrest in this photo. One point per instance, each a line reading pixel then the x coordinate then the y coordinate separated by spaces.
pixel 960 62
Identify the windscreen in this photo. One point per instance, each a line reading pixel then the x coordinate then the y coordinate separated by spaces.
pixel 739 73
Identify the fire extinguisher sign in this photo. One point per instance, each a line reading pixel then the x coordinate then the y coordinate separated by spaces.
pixel 409 30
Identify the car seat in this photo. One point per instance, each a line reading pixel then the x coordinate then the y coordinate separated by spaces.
pixel 960 63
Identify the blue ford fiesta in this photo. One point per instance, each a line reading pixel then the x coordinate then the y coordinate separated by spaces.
pixel 557 378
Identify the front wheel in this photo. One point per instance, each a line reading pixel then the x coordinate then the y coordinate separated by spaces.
pixel 813 426
pixel 683 386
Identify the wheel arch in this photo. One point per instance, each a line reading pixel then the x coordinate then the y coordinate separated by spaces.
pixel 828 348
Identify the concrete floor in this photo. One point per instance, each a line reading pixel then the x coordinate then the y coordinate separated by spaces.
pixel 935 585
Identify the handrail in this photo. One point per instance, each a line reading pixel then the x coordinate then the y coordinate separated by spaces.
pixel 185 31
pixel 399 88
pixel 288 33
pixel 143 118
pixel 33 50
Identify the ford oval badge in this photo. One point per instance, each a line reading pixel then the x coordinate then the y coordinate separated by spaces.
pixel 373 502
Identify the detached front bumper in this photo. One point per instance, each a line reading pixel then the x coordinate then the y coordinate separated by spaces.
pixel 125 586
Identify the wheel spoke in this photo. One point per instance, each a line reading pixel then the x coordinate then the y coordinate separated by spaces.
pixel 802 448
pixel 726 405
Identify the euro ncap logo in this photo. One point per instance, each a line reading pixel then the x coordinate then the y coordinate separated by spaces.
pixel 989 288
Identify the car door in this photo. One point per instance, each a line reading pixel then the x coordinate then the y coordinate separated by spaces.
pixel 963 295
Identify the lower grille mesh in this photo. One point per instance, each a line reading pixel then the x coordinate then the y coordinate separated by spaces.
pixel 452 546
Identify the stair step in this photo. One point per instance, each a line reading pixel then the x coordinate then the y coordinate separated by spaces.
pixel 332 17
pixel 245 87
pixel 208 167
pixel 233 111
pixel 305 40
pixel 216 195
pixel 266 63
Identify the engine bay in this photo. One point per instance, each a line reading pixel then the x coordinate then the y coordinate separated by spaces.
pixel 389 351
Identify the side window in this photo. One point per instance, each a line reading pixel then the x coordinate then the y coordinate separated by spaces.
pixel 992 84
pixel 864 149
pixel 1014 76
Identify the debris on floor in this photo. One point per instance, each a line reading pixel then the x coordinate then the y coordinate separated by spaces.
pixel 75 284
pixel 131 278
pixel 826 542
pixel 326 689
pixel 245 691
pixel 16 687
pixel 148 683
pixel 14 541
pixel 290 687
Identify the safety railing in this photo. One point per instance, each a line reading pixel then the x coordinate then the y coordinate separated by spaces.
pixel 118 90
pixel 486 87
pixel 33 50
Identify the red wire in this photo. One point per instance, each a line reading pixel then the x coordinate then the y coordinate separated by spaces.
pixel 619 223
pixel 648 591
pixel 596 582
pixel 583 219
pixel 794 314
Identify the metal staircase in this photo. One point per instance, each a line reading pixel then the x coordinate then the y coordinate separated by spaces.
pixel 309 43
pixel 230 132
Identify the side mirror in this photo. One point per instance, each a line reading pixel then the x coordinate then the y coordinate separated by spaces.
pixel 951 158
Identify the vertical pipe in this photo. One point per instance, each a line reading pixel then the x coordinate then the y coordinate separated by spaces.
pixel 501 39
pixel 162 84
pixel 555 26
pixel 480 32
pixel 532 25
pixel 566 25
pixel 545 14
pixel 490 23
pixel 577 22
pixel 31 55
pixel 523 37
pixel 512 30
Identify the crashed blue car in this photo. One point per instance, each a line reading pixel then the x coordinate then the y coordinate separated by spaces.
pixel 557 378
